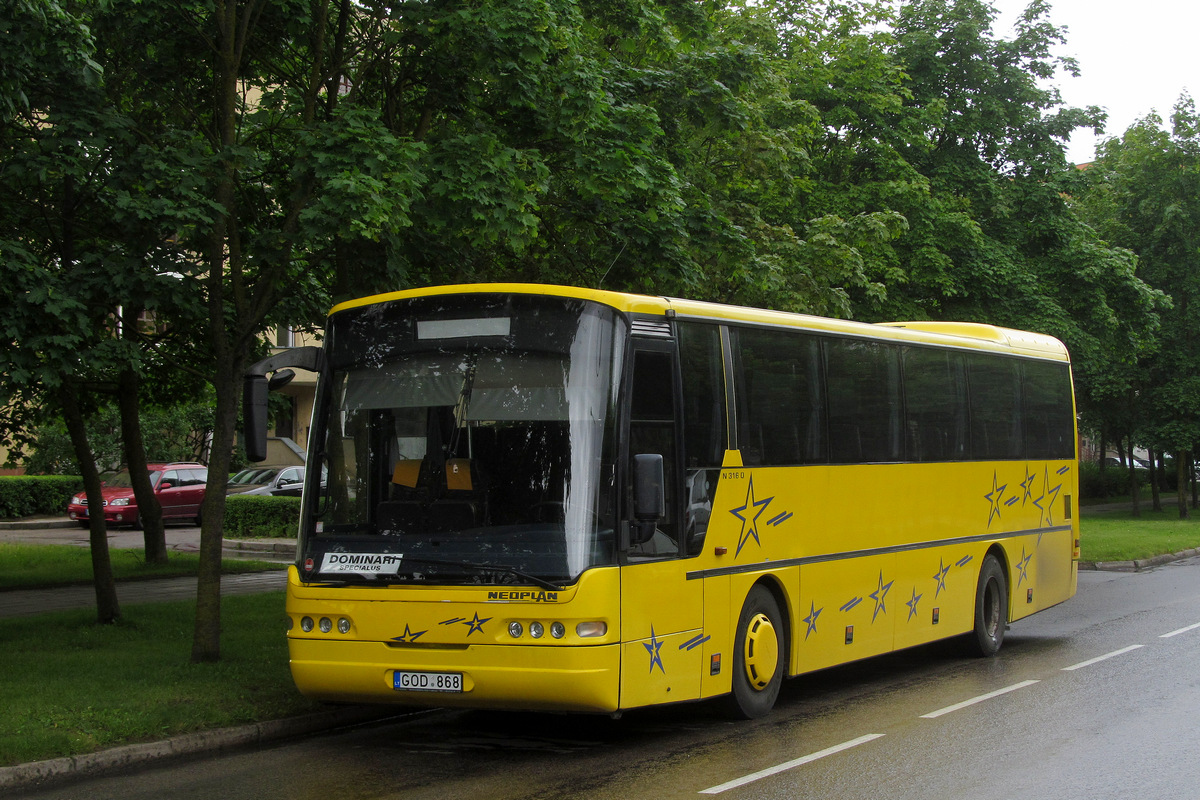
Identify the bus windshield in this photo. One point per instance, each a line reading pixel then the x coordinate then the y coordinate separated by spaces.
pixel 468 440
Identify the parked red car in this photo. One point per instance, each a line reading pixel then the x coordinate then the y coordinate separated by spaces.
pixel 178 486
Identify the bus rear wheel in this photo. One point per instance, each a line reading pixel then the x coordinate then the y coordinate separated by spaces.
pixel 991 608
pixel 759 656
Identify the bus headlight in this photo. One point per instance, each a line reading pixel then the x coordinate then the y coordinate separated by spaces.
pixel 326 624
pixel 590 630
pixel 558 630
pixel 306 624
pixel 515 630
pixel 536 630
pixel 343 625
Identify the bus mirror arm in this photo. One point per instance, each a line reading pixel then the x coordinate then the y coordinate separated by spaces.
pixel 256 388
pixel 649 499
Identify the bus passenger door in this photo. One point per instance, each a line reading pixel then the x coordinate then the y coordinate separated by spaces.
pixel 662 611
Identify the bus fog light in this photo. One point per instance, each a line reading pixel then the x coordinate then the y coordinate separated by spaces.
pixel 515 630
pixel 536 630
pixel 590 630
pixel 343 625
pixel 558 630
pixel 326 624
pixel 306 624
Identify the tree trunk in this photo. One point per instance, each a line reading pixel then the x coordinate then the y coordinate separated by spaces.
pixel 223 258
pixel 1192 479
pixel 108 609
pixel 1181 471
pixel 1155 467
pixel 149 510
pixel 1133 483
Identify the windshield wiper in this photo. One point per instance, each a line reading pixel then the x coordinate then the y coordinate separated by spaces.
pixel 506 570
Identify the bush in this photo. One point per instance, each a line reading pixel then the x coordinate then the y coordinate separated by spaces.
pixel 1096 484
pixel 26 495
pixel 261 517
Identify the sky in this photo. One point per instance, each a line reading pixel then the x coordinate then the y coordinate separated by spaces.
pixel 1134 56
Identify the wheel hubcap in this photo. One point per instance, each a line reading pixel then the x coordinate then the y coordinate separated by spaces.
pixel 761 652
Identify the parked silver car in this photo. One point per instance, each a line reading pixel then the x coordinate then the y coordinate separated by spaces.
pixel 285 480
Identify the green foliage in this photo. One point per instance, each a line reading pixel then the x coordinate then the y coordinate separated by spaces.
pixel 1143 194
pixel 1096 483
pixel 27 495
pixel 176 433
pixel 261 517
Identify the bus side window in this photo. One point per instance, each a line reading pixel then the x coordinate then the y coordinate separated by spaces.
pixel 652 430
pixel 780 408
pixel 996 417
pixel 704 425
pixel 935 391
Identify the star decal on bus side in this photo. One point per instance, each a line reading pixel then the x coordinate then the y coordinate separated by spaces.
pixel 1027 486
pixel 880 596
pixel 1023 566
pixel 811 619
pixel 940 577
pixel 749 514
pixel 994 497
pixel 1052 493
pixel 912 604
pixel 653 647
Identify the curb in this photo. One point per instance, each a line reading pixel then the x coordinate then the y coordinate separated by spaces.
pixel 24 776
pixel 1139 564
pixel 36 524
pixel 274 548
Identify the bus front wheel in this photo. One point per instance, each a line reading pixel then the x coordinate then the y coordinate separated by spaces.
pixel 759 656
pixel 991 608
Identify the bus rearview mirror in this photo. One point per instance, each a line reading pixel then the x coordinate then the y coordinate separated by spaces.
pixel 649 496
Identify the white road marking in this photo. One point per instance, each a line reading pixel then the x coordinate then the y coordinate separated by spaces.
pixel 979 699
pixel 1104 657
pixel 1181 630
pixel 766 773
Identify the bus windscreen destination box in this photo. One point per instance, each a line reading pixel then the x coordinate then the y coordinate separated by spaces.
pixel 362 563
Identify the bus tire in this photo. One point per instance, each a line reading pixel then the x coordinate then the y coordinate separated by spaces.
pixel 991 608
pixel 759 656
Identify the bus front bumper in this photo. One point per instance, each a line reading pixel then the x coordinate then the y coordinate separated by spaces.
pixel 541 678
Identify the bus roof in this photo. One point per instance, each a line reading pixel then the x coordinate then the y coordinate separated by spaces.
pixel 971 335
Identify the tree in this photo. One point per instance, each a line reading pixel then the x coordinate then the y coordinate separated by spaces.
pixel 1143 196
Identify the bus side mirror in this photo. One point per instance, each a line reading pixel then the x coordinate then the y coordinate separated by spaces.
pixel 254 416
pixel 649 495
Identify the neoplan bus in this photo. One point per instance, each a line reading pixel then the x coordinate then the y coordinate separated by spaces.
pixel 550 498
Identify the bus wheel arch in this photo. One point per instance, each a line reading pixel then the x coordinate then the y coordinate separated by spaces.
pixel 760 652
pixel 991 605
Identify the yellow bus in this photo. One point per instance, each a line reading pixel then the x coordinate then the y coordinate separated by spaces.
pixel 539 497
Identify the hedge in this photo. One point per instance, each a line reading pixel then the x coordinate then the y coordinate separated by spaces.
pixel 1112 481
pixel 261 517
pixel 27 495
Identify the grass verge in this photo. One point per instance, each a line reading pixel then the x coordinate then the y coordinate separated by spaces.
pixel 72 686
pixel 25 566
pixel 1119 536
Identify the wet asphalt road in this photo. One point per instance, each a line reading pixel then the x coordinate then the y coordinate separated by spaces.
pixel 1097 698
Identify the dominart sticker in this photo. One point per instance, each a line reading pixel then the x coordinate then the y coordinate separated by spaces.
pixel 362 563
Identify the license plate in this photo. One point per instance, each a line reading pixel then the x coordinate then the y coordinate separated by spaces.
pixel 427 681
